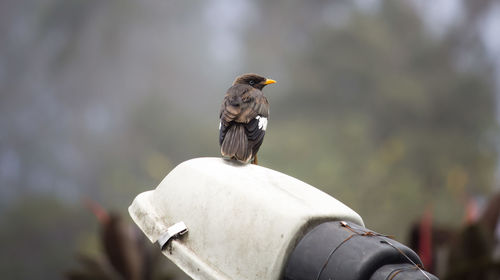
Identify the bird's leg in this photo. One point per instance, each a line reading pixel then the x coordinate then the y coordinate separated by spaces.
pixel 254 160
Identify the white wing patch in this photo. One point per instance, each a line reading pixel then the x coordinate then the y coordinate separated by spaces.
pixel 220 125
pixel 262 122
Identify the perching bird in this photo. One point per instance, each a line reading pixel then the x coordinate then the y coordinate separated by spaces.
pixel 243 118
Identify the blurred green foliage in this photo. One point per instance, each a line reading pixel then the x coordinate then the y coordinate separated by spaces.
pixel 39 235
pixel 381 118
pixel 104 98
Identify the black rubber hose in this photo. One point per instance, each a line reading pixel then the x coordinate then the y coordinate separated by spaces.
pixel 345 251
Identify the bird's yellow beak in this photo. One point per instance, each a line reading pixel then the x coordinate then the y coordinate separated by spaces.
pixel 269 81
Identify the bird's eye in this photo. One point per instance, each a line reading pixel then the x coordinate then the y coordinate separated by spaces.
pixel 252 82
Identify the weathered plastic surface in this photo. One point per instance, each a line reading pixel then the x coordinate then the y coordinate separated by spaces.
pixel 243 220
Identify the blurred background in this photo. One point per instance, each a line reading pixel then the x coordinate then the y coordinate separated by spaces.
pixel 389 106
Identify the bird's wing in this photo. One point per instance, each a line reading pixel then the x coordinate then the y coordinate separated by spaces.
pixel 242 104
pixel 256 127
pixel 232 105
pixel 261 106
pixel 254 104
pixel 230 109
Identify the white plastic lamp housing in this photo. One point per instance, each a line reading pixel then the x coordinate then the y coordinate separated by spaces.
pixel 242 220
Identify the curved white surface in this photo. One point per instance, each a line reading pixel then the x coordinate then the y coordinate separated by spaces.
pixel 243 220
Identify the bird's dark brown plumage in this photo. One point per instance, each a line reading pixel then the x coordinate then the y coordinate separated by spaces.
pixel 243 118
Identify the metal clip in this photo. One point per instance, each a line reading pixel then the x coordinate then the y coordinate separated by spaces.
pixel 173 231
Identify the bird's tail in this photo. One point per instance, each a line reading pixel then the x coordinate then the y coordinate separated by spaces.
pixel 235 144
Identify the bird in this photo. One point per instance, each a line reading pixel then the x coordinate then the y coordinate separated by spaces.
pixel 243 118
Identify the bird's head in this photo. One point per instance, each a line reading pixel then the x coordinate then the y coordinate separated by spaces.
pixel 253 80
